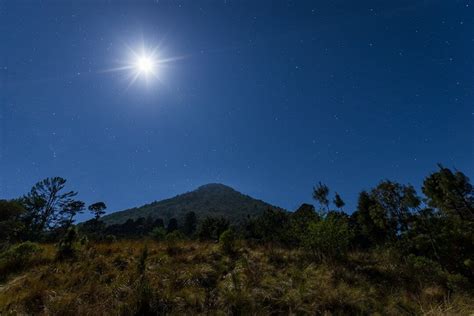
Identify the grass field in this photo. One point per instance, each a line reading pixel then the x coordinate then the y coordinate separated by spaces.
pixel 190 277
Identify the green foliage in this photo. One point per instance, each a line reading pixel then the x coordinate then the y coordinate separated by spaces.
pixel 368 232
pixel 404 255
pixel 451 193
pixel 385 212
pixel 69 211
pixel 212 227
pixel 190 223
pixel 320 194
pixel 175 236
pixel 11 226
pixel 273 227
pixel 420 271
pixel 110 239
pixel 47 206
pixel 393 205
pixel 328 239
pixel 10 209
pixel 211 200
pixel 447 240
pixel 138 228
pixel 158 233
pixel 299 222
pixel 17 257
pixel 94 229
pixel 66 247
pixel 98 209
pixel 338 202
pixel 227 242
pixel 172 242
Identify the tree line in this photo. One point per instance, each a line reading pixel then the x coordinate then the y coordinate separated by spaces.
pixel 436 227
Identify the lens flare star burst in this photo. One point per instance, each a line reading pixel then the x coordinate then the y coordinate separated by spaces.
pixel 144 64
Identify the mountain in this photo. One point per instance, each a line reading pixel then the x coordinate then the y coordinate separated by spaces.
pixel 212 199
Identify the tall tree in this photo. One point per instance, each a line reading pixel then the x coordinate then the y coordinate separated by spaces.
pixel 70 211
pixel 43 204
pixel 98 209
pixel 299 221
pixel 328 238
pixel 367 231
pixel 320 194
pixel 450 192
pixel 338 202
pixel 392 205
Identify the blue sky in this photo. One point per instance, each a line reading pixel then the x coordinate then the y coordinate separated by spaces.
pixel 268 97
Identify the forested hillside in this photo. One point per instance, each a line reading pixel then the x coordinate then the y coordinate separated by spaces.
pixel 213 199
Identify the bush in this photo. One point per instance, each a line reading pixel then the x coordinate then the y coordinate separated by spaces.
pixel 110 239
pixel 328 239
pixel 17 257
pixel 212 227
pixel 11 227
pixel 175 236
pixel 420 271
pixel 158 233
pixel 172 242
pixel 227 242
pixel 66 247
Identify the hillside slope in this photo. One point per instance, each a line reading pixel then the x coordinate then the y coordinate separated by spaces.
pixel 197 278
pixel 208 200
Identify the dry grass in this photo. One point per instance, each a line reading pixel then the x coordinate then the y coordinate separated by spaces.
pixel 197 278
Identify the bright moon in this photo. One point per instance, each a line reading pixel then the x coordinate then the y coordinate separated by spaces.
pixel 144 65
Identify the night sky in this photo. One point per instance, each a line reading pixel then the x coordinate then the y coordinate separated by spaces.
pixel 268 97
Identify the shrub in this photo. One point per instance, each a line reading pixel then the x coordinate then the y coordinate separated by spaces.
pixel 299 221
pixel 172 242
pixel 420 271
pixel 110 239
pixel 66 247
pixel 328 239
pixel 158 233
pixel 212 227
pixel 175 236
pixel 227 242
pixel 273 227
pixel 17 257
